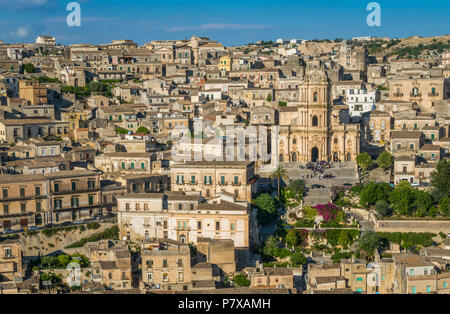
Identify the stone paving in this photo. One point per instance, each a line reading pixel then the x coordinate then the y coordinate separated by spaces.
pixel 344 173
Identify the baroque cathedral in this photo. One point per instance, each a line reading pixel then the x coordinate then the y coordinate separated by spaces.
pixel 315 129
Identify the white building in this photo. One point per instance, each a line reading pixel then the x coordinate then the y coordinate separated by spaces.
pixel 184 217
pixel 362 38
pixel 46 40
pixel 360 101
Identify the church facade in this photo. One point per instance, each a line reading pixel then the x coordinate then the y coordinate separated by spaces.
pixel 312 129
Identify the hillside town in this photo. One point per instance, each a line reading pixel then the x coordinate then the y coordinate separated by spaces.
pixel 286 166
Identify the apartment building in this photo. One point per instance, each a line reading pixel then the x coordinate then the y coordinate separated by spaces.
pixel 425 91
pixel 41 199
pixel 186 218
pixel 34 92
pixel 131 163
pixel 416 274
pixel 13 130
pixel 11 264
pixel 111 264
pixel 166 266
pixel 214 178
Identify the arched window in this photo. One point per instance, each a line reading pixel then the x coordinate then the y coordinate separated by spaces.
pixel 315 121
pixel 315 96
pixel 281 158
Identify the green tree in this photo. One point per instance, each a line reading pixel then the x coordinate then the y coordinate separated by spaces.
pixel 402 199
pixel 266 208
pixel 241 281
pixel 143 130
pixel 298 258
pixel 440 180
pixel 63 260
pixel 310 213
pixel 270 246
pixel 296 190
pixel 422 202
pixel 385 160
pixel 374 192
pixel 292 239
pixel 368 244
pixel 444 206
pixel 269 97
pixel 29 68
pixel 282 104
pixel 279 174
pixel 344 239
pixel 382 208
pixel 364 161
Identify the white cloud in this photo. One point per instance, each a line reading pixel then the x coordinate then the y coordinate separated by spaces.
pixel 217 26
pixel 21 32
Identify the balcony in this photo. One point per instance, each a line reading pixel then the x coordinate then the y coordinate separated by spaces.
pixel 237 183
pixel 398 95
pixel 433 94
pixel 419 95
pixel 78 191
pixel 192 183
pixel 223 183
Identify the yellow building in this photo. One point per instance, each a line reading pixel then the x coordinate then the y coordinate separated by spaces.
pixel 33 92
pixel 225 64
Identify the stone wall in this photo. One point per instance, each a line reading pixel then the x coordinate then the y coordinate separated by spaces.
pixel 431 226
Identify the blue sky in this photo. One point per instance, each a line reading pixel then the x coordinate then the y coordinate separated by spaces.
pixel 231 22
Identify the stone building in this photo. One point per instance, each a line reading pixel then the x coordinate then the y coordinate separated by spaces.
pixel 307 131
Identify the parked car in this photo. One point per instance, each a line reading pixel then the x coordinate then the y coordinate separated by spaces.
pixel 79 222
pixel 99 217
pixel 9 231
pixel 33 228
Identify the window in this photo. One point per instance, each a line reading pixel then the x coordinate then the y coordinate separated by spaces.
pixel 165 263
pixel 5 209
pixel 74 186
pixel 23 208
pixel 123 165
pixel 91 200
pixel 444 284
pixel 193 180
pixel 143 166
pixel 38 206
pixel 411 272
pixel 217 226
pixel 236 180
pixel 37 190
pixel 150 277
pixel 222 180
pixel 428 289
pixel 22 192
pixel 359 279
pixel 5 193
pixel 199 225
pixel 91 185
pixel 165 277
pixel 315 121
pixel 315 96
pixel 74 202
pixel 233 227
pixel 127 207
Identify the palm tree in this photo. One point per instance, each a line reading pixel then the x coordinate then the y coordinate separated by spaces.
pixel 280 173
